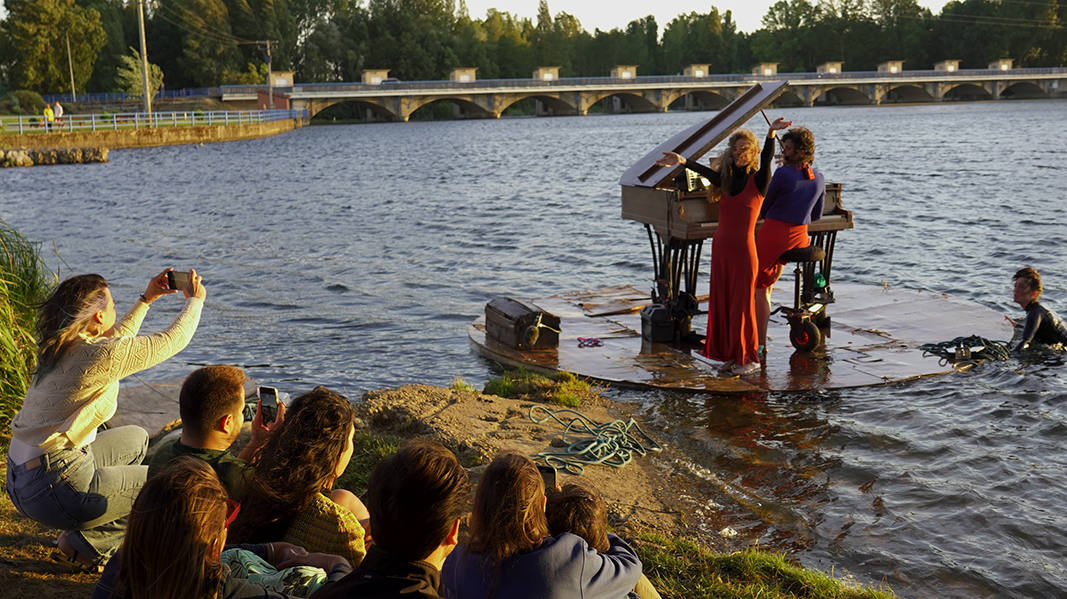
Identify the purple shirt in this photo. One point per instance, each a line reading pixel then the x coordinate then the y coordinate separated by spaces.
pixel 793 198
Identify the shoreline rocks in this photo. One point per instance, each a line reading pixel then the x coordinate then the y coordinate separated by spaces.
pixel 43 156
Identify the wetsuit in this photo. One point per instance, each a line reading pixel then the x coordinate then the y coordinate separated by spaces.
pixel 1042 326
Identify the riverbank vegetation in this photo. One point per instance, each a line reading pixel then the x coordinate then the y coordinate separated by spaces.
pixel 560 388
pixel 24 282
pixel 201 43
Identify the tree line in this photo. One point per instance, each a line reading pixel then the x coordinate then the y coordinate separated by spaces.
pixel 201 43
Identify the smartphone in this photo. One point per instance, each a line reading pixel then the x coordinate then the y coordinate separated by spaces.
pixel 268 403
pixel 548 474
pixel 177 279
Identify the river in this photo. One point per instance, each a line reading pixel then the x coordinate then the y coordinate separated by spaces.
pixel 356 256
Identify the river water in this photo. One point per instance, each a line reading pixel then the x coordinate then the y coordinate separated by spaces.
pixel 356 256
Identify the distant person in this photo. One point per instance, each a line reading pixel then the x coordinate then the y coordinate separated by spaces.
pixel 49 117
pixel 1042 325
pixel 794 198
pixel 211 404
pixel 740 183
pixel 511 553
pixel 61 471
pixel 57 110
pixel 580 510
pixel 416 498
pixel 177 533
pixel 291 493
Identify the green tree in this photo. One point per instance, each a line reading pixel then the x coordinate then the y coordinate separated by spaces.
pixel 39 31
pixel 129 77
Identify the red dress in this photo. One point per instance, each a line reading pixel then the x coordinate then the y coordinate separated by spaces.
pixel 731 307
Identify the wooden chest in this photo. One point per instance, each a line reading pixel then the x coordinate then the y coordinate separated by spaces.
pixel 520 325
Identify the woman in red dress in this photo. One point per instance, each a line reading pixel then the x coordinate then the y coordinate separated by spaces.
pixel 740 182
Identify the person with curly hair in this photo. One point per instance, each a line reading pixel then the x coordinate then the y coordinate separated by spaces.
pixel 61 470
pixel 511 554
pixel 794 199
pixel 740 182
pixel 290 494
pixel 173 548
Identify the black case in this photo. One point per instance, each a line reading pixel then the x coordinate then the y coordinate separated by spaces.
pixel 520 325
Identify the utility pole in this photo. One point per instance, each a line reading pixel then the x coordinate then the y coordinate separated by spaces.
pixel 270 80
pixel 146 93
pixel 70 64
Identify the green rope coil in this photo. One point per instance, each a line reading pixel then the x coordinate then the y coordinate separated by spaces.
pixel 612 443
pixel 967 351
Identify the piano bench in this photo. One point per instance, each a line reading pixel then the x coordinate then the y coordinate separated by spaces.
pixel 812 253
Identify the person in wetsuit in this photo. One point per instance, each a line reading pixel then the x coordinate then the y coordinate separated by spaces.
pixel 1042 325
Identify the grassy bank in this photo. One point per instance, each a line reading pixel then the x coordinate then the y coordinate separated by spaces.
pixel 24 282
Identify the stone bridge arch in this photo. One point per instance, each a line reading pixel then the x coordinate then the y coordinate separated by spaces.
pixel 835 95
pixel 967 92
pixel 380 108
pixel 699 99
pixel 1022 90
pixel 464 106
pixel 901 94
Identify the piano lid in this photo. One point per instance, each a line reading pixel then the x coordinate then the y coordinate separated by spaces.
pixel 695 141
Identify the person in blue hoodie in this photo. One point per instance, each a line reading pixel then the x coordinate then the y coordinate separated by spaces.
pixel 511 554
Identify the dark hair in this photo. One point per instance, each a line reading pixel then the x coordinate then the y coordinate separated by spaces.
pixel 208 394
pixel 67 312
pixel 804 144
pixel 298 461
pixel 1032 278
pixel 509 515
pixel 414 496
pixel 169 551
pixel 581 511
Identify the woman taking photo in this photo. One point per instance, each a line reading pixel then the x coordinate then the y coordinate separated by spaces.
pixel 177 532
pixel 290 495
pixel 510 553
pixel 60 471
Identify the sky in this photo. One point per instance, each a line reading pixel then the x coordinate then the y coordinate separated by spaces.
pixel 611 14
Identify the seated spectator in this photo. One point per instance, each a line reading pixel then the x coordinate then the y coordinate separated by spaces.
pixel 177 531
pixel 579 510
pixel 510 553
pixel 416 497
pixel 290 494
pixel 211 404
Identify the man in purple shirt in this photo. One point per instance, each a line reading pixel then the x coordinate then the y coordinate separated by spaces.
pixel 794 199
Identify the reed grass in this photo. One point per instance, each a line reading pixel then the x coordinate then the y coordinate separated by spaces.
pixel 24 283
pixel 560 388
pixel 680 568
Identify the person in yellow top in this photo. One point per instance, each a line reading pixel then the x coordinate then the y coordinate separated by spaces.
pixel 49 117
pixel 60 471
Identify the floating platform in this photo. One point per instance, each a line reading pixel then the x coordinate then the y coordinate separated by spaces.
pixel 874 339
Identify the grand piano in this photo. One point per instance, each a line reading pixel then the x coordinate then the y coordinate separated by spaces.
pixel 672 203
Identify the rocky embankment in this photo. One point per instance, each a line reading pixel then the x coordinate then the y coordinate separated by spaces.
pixel 35 157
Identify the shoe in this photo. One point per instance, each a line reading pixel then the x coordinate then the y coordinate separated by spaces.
pixel 69 556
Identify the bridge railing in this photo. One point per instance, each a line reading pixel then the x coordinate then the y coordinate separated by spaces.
pixel 387 86
pixel 138 120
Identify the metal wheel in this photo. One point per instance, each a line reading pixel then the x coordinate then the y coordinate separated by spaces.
pixel 805 336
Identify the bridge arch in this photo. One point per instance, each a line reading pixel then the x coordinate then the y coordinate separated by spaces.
pixel 967 92
pixel 698 100
pixel 622 101
pixel 365 110
pixel 545 104
pixel 841 95
pixel 902 94
pixel 1023 90
pixel 462 107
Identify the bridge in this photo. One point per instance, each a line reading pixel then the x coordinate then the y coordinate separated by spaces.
pixel 489 98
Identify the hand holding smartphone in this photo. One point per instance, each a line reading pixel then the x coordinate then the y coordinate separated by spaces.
pixel 548 474
pixel 177 280
pixel 268 404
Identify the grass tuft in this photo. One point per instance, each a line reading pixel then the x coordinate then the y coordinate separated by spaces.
pixel 560 388
pixel 458 384
pixel 24 283
pixel 681 568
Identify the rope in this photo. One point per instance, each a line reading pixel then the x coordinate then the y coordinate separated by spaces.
pixel 967 351
pixel 612 443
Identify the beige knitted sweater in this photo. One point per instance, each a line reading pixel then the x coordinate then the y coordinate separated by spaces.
pixel 64 408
